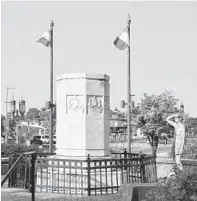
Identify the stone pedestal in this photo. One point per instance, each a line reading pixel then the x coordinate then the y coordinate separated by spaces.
pixel 82 115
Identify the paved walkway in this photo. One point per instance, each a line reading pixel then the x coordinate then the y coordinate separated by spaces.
pixel 16 194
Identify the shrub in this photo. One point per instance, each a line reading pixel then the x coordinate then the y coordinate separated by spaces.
pixel 190 151
pixel 7 150
pixel 183 187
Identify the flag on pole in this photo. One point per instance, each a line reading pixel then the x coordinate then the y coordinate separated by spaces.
pixel 122 41
pixel 45 39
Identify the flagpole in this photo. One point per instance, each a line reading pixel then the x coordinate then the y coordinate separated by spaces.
pixel 128 91
pixel 51 90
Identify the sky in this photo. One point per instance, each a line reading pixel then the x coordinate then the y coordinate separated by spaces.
pixel 163 48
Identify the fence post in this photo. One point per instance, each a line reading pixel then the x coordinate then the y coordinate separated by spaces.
pixel 29 174
pixel 142 168
pixel 33 160
pixel 13 174
pixel 125 153
pixel 89 179
pixel 126 162
pixel 26 174
pixel 10 165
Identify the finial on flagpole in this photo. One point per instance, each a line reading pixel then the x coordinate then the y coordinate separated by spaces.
pixel 52 23
pixel 129 19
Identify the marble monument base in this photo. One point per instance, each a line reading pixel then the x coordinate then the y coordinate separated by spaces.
pixel 83 114
pixel 83 153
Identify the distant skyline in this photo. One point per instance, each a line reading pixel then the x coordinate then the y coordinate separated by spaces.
pixel 163 46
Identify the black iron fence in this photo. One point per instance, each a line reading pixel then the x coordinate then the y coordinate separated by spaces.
pixel 20 175
pixel 88 176
pixel 4 165
pixel 92 176
pixel 21 172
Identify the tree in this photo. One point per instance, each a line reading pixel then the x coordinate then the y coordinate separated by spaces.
pixel 12 125
pixel 151 116
pixel 2 123
pixel 44 116
pixel 33 114
pixel 191 124
pixel 9 129
pixel 43 109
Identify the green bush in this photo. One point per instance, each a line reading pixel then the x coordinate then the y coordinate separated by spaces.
pixel 7 150
pixel 182 187
pixel 190 151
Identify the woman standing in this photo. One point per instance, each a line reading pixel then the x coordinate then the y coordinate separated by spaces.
pixel 179 137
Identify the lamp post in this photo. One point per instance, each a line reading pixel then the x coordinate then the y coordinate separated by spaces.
pixel 6 112
pixel 16 117
pixel 6 102
pixel 22 108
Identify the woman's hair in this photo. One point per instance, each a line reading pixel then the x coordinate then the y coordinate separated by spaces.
pixel 180 117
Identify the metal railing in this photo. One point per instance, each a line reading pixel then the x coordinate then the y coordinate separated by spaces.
pixel 94 176
pixel 89 176
pixel 4 165
pixel 22 172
